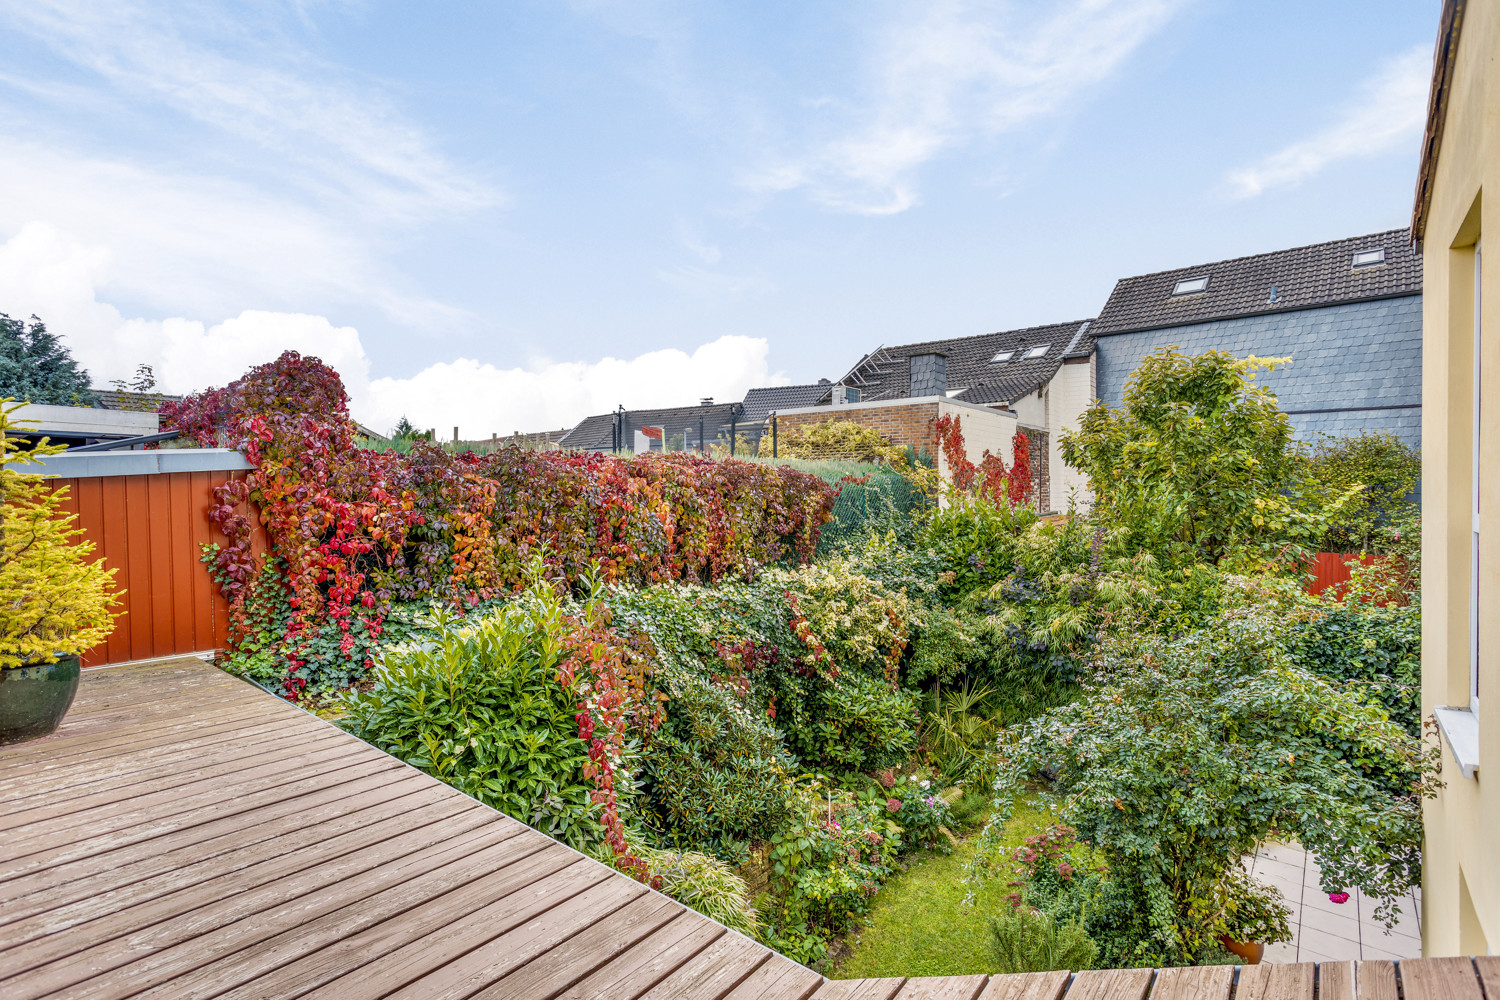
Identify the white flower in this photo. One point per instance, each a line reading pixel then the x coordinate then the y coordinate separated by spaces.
pixel 926 784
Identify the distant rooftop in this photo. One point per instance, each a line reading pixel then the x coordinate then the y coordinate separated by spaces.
pixel 987 369
pixel 761 403
pixel 593 433
pixel 1377 266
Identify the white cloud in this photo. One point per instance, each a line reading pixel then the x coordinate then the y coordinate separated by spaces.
pixel 208 65
pixel 1388 112
pixel 955 71
pixel 45 271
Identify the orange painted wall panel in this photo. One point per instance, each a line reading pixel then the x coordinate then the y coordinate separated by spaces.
pixel 150 529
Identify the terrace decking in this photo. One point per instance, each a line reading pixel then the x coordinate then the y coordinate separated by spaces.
pixel 185 834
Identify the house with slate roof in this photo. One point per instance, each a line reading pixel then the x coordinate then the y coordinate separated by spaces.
pixel 1347 312
pixel 679 427
pixel 1037 379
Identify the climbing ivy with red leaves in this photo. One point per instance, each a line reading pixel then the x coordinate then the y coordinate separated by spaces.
pixel 990 478
pixel 356 529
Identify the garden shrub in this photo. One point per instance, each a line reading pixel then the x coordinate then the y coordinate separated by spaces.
pixel 1025 939
pixel 1377 650
pixel 827 862
pixel 715 772
pixel 528 708
pixel 833 439
pixel 706 884
pixel 1189 750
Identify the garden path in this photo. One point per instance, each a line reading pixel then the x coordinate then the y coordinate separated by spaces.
pixel 185 834
pixel 1325 931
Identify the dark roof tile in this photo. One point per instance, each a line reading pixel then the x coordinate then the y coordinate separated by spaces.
pixel 593 433
pixel 1305 277
pixel 760 403
pixel 886 373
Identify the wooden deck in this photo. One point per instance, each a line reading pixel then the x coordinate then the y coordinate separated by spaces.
pixel 187 835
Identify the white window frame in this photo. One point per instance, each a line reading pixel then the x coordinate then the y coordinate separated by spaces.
pixel 1474 534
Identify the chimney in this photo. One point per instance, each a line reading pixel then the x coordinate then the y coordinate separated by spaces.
pixel 929 375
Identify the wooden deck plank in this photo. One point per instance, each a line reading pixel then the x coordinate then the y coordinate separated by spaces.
pixel 1375 981
pixel 642 966
pixel 778 979
pixel 276 818
pixel 250 866
pixel 550 974
pixel 161 953
pixel 167 806
pixel 1110 984
pixel 1487 967
pixel 1273 981
pixel 1026 986
pixel 151 828
pixel 496 956
pixel 122 932
pixel 158 780
pixel 942 988
pixel 713 972
pixel 1438 979
pixel 431 946
pixel 1199 982
pixel 1335 981
pixel 305 955
pixel 859 989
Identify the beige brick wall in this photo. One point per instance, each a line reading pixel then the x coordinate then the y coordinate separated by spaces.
pixel 912 424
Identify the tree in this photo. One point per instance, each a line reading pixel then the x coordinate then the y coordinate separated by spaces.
pixel 36 367
pixel 1199 462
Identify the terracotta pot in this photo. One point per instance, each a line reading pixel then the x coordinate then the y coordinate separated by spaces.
pixel 1250 951
pixel 35 697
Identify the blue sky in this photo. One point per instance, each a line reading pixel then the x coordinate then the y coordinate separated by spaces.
pixel 508 215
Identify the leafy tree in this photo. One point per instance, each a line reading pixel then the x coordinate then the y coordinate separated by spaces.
pixel 36 367
pixel 1198 463
pixel 1381 471
pixel 1187 752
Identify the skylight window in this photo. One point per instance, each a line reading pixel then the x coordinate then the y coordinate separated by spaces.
pixel 1002 357
pixel 1190 286
pixel 1369 258
pixel 1038 351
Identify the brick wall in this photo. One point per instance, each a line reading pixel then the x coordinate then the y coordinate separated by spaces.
pixel 1356 355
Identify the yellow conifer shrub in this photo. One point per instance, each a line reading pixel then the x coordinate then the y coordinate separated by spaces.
pixel 52 600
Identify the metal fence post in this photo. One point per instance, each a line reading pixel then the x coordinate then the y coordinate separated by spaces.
pixel 731 435
pixel 773 435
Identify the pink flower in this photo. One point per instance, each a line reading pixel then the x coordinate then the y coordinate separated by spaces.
pixel 893 805
pixel 1338 897
pixel 1065 870
pixel 887 778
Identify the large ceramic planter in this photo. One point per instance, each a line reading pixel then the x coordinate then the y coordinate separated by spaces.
pixel 1250 951
pixel 34 699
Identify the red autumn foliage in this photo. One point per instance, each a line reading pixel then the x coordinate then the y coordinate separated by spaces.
pixel 989 478
pixel 357 528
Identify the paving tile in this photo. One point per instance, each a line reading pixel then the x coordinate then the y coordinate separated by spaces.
pixel 1315 946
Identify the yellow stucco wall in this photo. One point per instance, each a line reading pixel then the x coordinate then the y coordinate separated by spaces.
pixel 1461 878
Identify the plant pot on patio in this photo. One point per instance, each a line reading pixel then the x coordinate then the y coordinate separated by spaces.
pixel 1250 951
pixel 51 596
pixel 35 697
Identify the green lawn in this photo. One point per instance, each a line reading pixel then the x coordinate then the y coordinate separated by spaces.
pixel 919 925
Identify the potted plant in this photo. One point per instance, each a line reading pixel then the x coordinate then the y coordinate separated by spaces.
pixel 53 602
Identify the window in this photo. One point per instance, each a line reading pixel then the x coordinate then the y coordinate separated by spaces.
pixel 1369 258
pixel 1190 286
pixel 1002 357
pixel 1038 351
pixel 1474 540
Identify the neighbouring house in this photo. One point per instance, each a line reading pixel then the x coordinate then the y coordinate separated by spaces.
pixel 759 404
pixel 1348 313
pixel 1039 379
pixel 1461 439
pixel 673 429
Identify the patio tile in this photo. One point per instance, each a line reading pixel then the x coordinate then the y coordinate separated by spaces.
pixel 1314 945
